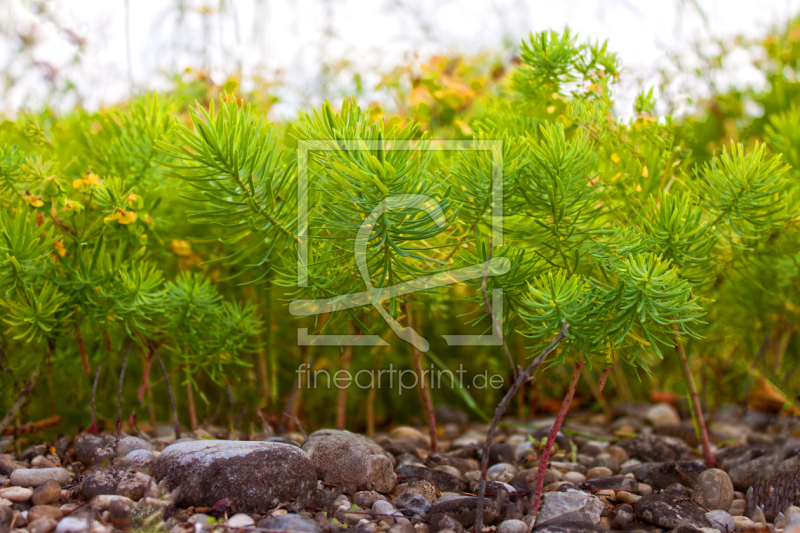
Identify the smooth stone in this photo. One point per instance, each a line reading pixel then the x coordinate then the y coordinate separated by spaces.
pixel 46 493
pixel 240 520
pixel 598 472
pixel 366 498
pixel 713 490
pixel 502 472
pixel 129 444
pixel 200 518
pixel 627 497
pixel 105 501
pixel 574 477
pixel 512 526
pixel 92 449
pixel 139 461
pixel 573 506
pixel 79 524
pixel 252 474
pixel 44 511
pixel 350 461
pixel 16 494
pixel 721 520
pixel 289 523
pixel 738 507
pixel 33 477
pixel 42 525
pixel 663 414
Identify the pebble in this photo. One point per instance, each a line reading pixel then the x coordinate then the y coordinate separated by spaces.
pixel 575 506
pixel 46 493
pixel 503 472
pixel 33 477
pixel 663 414
pixel 350 461
pixel 574 477
pixel 713 490
pixel 290 523
pixel 200 518
pixel 129 444
pixel 16 494
pixel 738 507
pixel 627 497
pixel 44 511
pixel 42 525
pixel 240 520
pixel 512 526
pixel 76 524
pixel 721 520
pixel 598 472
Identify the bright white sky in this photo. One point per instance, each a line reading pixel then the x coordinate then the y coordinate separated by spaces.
pixel 287 38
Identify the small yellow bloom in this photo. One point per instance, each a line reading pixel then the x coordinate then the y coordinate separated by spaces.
pixel 59 246
pixel 90 180
pixel 122 216
pixel 34 201
pixel 645 172
pixel 181 248
pixel 615 157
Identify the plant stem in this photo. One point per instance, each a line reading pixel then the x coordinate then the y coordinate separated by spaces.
pixel 427 402
pixel 603 378
pixel 118 421
pixel 597 393
pixel 344 365
pixel 169 389
pixel 521 379
pixel 82 349
pixel 192 407
pixel 551 438
pixel 497 328
pixel 24 393
pixel 93 428
pixel 698 409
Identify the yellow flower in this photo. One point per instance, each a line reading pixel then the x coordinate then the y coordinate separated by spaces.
pixel 59 246
pixel 89 181
pixel 181 248
pixel 121 216
pixel 34 201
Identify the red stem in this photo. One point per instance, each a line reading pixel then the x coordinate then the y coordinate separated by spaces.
pixel 698 408
pixel 603 378
pixel 551 438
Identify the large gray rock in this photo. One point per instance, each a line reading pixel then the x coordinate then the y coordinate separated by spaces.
pixel 714 490
pixel 571 506
pixel 746 474
pixel 721 520
pixel 254 475
pixel 669 511
pixel 350 461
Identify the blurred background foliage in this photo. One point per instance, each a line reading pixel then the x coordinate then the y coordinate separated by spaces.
pixel 753 328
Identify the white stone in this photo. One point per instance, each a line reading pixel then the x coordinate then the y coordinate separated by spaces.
pixel 663 414
pixel 33 477
pixel 240 520
pixel 16 494
pixel 75 524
